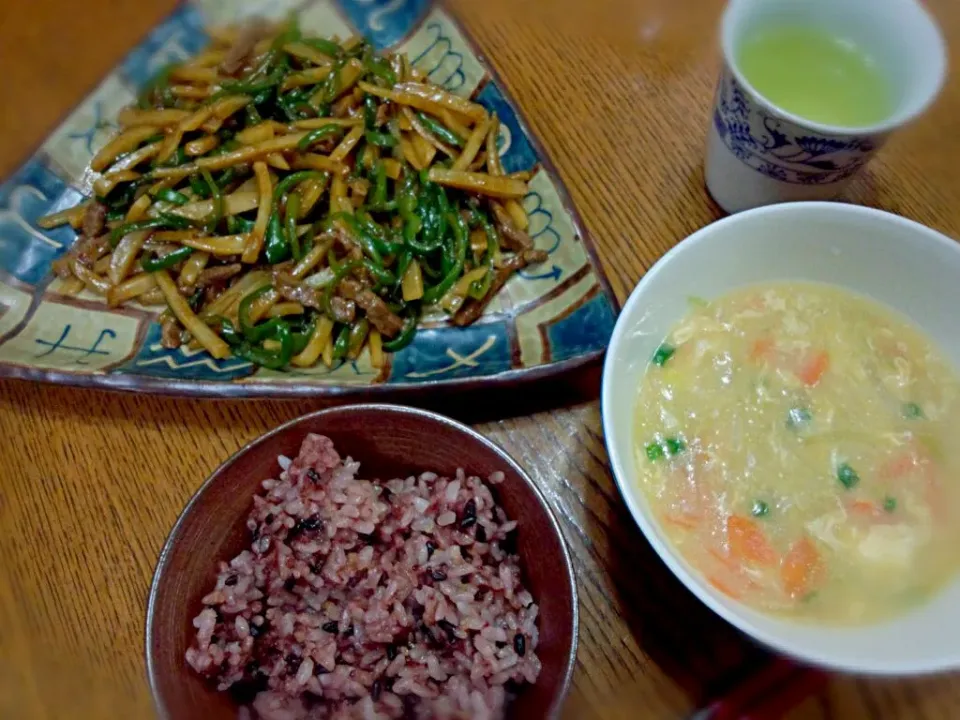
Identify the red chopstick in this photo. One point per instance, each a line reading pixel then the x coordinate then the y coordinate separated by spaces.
pixel 767 694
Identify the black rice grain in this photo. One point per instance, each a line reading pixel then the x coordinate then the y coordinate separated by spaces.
pixel 469 515
pixel 520 644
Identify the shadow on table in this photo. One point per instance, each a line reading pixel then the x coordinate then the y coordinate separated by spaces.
pixel 704 655
pixel 482 403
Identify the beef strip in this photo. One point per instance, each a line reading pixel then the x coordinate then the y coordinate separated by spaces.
pixel 86 250
pixel 472 309
pixel 292 289
pixel 349 288
pixel 217 275
pixel 382 317
pixel 383 114
pixel 344 311
pixel 239 53
pixel 170 336
pixel 511 237
pixel 94 219
pixel 220 273
pixel 345 106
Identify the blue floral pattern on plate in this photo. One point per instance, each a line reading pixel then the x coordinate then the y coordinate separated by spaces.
pixel 526 332
pixel 780 149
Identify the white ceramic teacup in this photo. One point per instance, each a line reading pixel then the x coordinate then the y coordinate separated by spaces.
pixel 758 153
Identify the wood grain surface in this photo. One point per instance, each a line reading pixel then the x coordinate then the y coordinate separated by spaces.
pixel 91 482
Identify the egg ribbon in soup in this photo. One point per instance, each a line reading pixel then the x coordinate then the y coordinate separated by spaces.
pixel 797 444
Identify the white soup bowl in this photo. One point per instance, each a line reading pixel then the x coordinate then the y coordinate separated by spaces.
pixel 899 263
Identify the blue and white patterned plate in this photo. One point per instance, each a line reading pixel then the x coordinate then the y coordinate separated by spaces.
pixel 547 319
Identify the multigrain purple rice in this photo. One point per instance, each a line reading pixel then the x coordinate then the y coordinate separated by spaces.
pixel 369 599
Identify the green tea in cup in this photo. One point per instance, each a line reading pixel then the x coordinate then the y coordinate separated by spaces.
pixel 810 89
pixel 816 75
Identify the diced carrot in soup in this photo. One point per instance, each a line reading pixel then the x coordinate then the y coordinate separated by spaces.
pixel 762 348
pixel 802 568
pixel 814 368
pixel 724 586
pixel 865 508
pixel 747 541
pixel 688 521
pixel 827 489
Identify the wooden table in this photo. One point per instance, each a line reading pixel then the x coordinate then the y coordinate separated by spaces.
pixel 619 90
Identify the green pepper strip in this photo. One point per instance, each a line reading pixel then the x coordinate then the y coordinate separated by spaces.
pixel 380 139
pixel 370 112
pixel 225 147
pixel 237 225
pixel 171 196
pixel 443 208
pixel 166 221
pixel 430 237
pixel 403 262
pixel 199 186
pixel 367 225
pixel 272 360
pixel 327 47
pixel 434 293
pixel 253 333
pixel 253 115
pixel 226 177
pixel 331 85
pixel 358 333
pixel 302 339
pixel 121 196
pixel 179 157
pixel 406 334
pixel 253 86
pixel 380 273
pixel 292 179
pixel 388 206
pixel 290 103
pixel 338 276
pixel 217 213
pixel 407 206
pixel 379 183
pixel 158 82
pixel 342 343
pixel 480 288
pixel 314 135
pixel 440 130
pixel 227 331
pixel 365 240
pixel 428 270
pixel 381 68
pixel 435 224
pixel 292 210
pixel 332 260
pixel 261 97
pixel 275 245
pixel 358 50
pixel 152 264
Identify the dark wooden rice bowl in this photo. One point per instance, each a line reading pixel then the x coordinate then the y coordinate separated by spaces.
pixel 390 441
